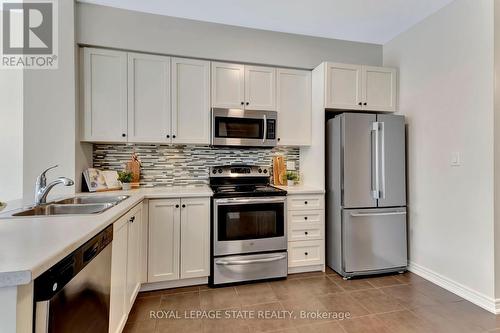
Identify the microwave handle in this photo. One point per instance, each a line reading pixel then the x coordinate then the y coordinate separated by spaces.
pixel 264 137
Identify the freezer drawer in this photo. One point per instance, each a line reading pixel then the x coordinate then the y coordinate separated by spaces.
pixel 250 267
pixel 373 239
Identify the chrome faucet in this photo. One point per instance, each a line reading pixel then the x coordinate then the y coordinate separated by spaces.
pixel 42 189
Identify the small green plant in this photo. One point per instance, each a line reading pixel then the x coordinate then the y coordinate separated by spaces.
pixel 292 175
pixel 125 176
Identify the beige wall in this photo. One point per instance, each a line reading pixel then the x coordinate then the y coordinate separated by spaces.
pixel 130 30
pixel 446 94
pixel 497 147
pixel 49 112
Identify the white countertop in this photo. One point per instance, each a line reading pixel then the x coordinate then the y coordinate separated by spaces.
pixel 31 245
pixel 302 189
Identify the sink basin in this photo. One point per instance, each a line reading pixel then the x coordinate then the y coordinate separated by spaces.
pixel 66 209
pixel 96 199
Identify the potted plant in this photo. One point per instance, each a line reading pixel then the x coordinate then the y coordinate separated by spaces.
pixel 125 177
pixel 291 177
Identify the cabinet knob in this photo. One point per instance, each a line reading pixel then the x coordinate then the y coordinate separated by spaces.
pixel 365 103
pixel 360 103
pixel 305 217
pixel 132 219
pixel 306 253
pixel 242 103
pixel 183 206
pixel 173 136
pixel 305 202
pixel 248 103
pixel 124 135
pixel 168 136
pixel 279 139
pixel 306 232
pixel 176 206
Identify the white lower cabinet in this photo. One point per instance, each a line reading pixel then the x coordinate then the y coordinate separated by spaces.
pixel 195 238
pixel 306 232
pixel 164 240
pixel 125 267
pixel 179 239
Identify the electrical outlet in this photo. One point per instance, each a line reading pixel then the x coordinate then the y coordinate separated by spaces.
pixel 290 165
pixel 455 159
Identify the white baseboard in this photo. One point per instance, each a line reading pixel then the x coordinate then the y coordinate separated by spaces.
pixel 490 304
pixel 306 269
pixel 173 284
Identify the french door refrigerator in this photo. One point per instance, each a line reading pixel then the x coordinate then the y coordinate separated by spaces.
pixel 366 194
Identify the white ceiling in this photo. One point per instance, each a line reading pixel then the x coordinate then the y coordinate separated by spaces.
pixel 372 21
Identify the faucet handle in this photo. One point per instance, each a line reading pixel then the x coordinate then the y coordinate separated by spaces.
pixel 41 178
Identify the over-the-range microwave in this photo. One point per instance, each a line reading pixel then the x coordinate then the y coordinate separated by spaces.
pixel 235 127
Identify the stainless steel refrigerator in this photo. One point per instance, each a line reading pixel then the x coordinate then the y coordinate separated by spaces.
pixel 366 194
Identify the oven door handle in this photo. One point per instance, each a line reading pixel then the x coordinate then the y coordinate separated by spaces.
pixel 249 262
pixel 229 201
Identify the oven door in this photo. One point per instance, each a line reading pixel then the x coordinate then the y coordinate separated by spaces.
pixel 249 225
pixel 234 127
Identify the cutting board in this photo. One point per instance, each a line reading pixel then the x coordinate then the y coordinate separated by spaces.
pixel 279 170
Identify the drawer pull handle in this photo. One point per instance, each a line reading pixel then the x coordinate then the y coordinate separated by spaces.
pixel 306 253
pixel 305 217
pixel 251 261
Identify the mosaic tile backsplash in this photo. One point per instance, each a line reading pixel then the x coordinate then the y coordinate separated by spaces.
pixel 164 165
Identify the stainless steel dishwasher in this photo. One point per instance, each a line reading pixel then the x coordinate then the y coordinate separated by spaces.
pixel 73 295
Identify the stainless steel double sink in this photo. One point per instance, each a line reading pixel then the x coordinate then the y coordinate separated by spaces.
pixel 74 206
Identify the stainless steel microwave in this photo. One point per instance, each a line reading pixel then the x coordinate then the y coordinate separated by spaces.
pixel 235 127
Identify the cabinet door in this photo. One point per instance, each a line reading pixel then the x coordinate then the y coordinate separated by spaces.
pixel 134 256
pixel 260 88
pixel 190 101
pixel 195 237
pixel 118 309
pixel 294 107
pixel 148 98
pixel 379 88
pixel 228 85
pixel 105 95
pixel 343 87
pixel 164 239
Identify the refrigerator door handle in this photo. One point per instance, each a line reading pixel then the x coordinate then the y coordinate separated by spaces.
pixel 381 160
pixel 376 191
pixel 377 214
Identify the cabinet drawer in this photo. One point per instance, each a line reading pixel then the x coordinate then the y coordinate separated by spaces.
pixel 305 202
pixel 305 253
pixel 305 216
pixel 305 231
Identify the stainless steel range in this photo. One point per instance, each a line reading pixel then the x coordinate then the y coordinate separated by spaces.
pixel 248 225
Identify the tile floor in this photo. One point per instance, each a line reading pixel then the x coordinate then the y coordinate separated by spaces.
pixel 393 303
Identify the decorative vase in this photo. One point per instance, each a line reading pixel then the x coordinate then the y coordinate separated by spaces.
pixel 126 186
pixel 290 182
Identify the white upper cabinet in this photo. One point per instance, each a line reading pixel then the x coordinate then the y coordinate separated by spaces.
pixel 195 237
pixel 343 87
pixel 228 85
pixel 294 107
pixel 358 87
pixel 190 101
pixel 380 88
pixel 237 86
pixel 149 115
pixel 260 88
pixel 164 240
pixel 104 95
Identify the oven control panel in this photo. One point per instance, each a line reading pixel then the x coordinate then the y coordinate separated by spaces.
pixel 239 171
